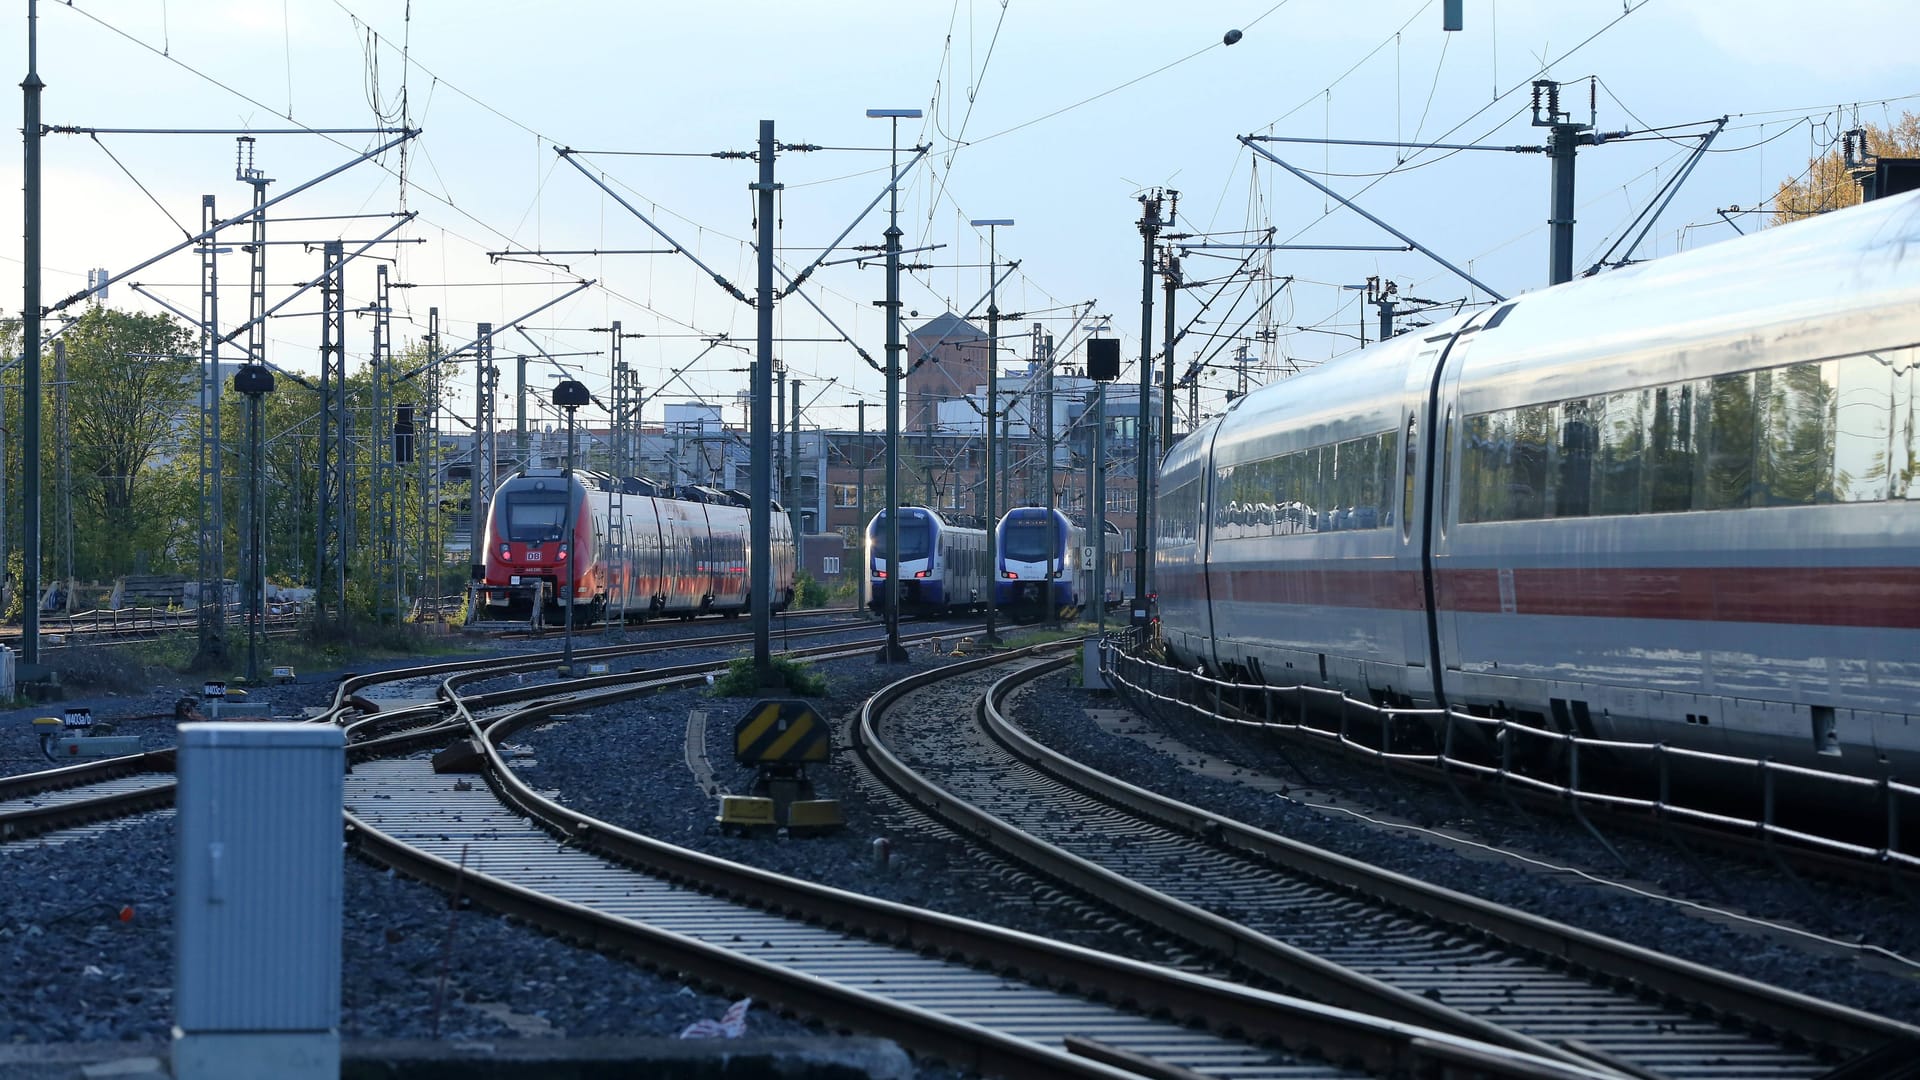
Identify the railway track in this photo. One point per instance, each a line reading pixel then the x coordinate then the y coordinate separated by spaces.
pixel 50 800
pixel 998 1001
pixel 1351 934
pixel 521 628
pixel 1824 854
pixel 777 938
pixel 108 627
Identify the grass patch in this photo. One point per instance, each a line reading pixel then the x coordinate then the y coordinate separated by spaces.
pixel 785 673
pixel 130 668
pixel 1040 637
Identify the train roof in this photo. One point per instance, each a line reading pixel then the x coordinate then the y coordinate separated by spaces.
pixel 649 487
pixel 1826 286
pixel 1360 394
pixel 957 521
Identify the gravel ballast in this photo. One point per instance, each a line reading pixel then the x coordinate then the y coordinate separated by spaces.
pixel 78 972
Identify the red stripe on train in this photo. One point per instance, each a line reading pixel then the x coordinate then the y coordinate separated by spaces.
pixel 1873 596
pixel 1869 596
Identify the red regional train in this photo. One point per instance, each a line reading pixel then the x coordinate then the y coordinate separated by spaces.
pixel 678 552
pixel 1678 502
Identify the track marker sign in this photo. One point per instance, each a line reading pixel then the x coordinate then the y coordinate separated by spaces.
pixel 780 731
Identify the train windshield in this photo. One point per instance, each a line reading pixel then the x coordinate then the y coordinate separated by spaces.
pixel 1027 540
pixel 530 519
pixel 916 539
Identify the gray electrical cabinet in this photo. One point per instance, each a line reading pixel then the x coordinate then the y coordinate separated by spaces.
pixel 257 900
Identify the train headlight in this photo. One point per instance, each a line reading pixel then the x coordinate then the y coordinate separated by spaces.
pixel 1010 574
pixel 505 549
pixel 919 573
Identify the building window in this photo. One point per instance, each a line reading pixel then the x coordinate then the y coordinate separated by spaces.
pixel 830 565
pixel 845 495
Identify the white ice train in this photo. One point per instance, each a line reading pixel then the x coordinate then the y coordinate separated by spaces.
pixel 1676 502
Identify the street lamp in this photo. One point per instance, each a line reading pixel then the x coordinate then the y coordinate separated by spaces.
pixel 893 651
pixel 993 392
pixel 569 395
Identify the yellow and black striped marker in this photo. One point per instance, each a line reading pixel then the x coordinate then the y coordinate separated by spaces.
pixel 777 731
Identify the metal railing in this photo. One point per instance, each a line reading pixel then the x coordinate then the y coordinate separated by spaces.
pixel 1337 717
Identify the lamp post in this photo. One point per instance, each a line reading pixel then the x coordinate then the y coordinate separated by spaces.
pixel 993 391
pixel 569 395
pixel 893 651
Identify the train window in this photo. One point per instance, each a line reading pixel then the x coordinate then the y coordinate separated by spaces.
pixel 1727 442
pixel 1620 424
pixel 1573 488
pixel 534 518
pixel 1795 463
pixel 1483 466
pixel 1343 486
pixel 1408 467
pixel 1864 416
pixel 1844 430
pixel 1906 407
pixel 1669 457
pixel 1533 443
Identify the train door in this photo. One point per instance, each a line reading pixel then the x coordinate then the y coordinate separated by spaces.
pixel 645 551
pixel 1414 470
pixel 1444 572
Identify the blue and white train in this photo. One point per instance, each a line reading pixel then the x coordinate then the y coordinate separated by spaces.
pixel 1034 546
pixel 943 567
pixel 1039 562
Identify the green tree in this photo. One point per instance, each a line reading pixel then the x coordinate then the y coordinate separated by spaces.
pixel 1828 185
pixel 130 392
pixel 291 462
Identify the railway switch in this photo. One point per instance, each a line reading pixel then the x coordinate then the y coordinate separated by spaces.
pixel 75 737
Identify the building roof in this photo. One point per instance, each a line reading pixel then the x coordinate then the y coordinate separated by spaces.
pixel 947 328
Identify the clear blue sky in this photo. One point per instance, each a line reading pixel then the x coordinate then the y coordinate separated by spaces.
pixel 1056 113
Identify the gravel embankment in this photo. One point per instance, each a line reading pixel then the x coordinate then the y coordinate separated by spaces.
pixel 77 972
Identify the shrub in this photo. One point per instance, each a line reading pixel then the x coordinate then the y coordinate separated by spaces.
pixel 785 673
pixel 808 592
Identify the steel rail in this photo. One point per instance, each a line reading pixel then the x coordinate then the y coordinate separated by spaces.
pixel 1386 1046
pixel 1300 971
pixel 70 812
pixel 1817 1022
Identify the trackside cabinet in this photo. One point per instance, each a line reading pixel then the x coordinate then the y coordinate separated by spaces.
pixel 257 896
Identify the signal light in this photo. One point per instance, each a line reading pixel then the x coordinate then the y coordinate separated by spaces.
pixel 1011 574
pixel 919 573
pixel 879 573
